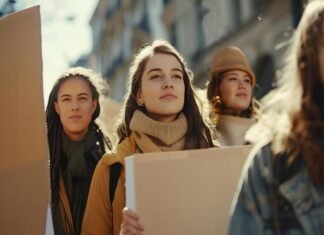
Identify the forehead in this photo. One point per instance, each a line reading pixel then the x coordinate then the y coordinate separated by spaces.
pixel 236 72
pixel 162 61
pixel 74 85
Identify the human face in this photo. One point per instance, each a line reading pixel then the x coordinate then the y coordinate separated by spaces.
pixel 162 88
pixel 75 107
pixel 236 91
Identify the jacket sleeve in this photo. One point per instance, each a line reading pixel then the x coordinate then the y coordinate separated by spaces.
pixel 253 205
pixel 97 219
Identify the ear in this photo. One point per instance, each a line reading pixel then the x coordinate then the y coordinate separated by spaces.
pixel 139 98
pixel 57 108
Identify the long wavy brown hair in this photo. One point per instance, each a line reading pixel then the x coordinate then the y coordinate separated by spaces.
pixel 198 134
pixel 302 129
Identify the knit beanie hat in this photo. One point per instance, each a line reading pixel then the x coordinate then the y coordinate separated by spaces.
pixel 228 58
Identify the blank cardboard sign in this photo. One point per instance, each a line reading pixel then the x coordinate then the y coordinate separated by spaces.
pixel 24 180
pixel 184 192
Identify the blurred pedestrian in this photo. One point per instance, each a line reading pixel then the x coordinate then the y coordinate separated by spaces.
pixel 282 187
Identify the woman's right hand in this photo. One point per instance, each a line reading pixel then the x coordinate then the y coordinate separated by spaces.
pixel 131 224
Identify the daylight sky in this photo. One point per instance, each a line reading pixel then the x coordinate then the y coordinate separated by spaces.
pixel 66 34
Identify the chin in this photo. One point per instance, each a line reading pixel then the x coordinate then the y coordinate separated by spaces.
pixel 171 113
pixel 167 110
pixel 242 108
pixel 77 130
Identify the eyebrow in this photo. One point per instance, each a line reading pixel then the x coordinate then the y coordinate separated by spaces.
pixel 68 95
pixel 159 70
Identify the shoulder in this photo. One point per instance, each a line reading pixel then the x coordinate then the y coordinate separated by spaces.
pixel 256 182
pixel 257 175
pixel 263 154
pixel 124 149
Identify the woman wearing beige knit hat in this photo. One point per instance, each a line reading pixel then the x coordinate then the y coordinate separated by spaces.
pixel 229 92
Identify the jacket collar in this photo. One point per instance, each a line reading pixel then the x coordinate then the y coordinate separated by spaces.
pixel 126 148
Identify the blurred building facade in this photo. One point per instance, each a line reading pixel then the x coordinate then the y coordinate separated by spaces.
pixel 119 28
pixel 197 28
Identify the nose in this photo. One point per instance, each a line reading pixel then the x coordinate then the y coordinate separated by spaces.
pixel 75 105
pixel 167 83
pixel 241 84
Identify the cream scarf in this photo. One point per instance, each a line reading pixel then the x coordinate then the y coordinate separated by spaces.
pixel 154 136
pixel 232 129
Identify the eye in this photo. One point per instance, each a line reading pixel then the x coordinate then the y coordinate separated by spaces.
pixel 66 99
pixel 83 98
pixel 177 76
pixel 155 76
pixel 232 78
pixel 247 80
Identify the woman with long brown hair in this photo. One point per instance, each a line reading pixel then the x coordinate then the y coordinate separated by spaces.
pixel 160 113
pixel 282 190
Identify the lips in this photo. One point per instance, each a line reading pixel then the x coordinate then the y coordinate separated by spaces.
pixel 168 96
pixel 242 95
pixel 75 117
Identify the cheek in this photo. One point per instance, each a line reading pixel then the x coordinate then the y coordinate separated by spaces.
pixel 149 93
pixel 61 111
pixel 63 118
pixel 89 110
pixel 57 108
pixel 249 91
pixel 183 90
pixel 225 91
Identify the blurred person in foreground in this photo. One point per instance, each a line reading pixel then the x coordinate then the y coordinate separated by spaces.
pixel 282 186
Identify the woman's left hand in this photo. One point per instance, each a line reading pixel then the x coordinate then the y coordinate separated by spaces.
pixel 131 224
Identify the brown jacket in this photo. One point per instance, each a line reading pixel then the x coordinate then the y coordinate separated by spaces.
pixel 65 210
pixel 100 218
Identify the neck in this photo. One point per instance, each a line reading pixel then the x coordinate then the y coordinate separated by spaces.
pixel 233 112
pixel 76 136
pixel 163 118
pixel 167 132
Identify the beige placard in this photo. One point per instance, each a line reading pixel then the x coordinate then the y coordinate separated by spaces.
pixel 184 192
pixel 24 180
